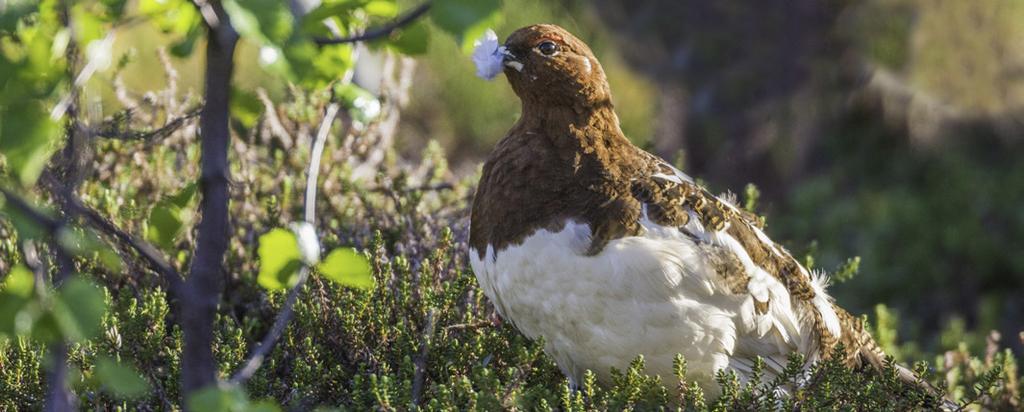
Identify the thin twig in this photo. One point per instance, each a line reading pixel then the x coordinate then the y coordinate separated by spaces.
pixel 382 31
pixel 144 249
pixel 285 315
pixel 276 127
pixel 50 225
pixel 423 188
pixel 473 325
pixel 117 128
pixel 420 363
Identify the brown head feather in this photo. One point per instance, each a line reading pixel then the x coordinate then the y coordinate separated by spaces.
pixel 571 76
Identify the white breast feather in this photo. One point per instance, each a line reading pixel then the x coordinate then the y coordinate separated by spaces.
pixel 653 294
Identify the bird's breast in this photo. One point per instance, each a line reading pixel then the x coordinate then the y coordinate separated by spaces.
pixel 639 295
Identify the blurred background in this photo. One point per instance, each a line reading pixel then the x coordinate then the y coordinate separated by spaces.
pixel 889 130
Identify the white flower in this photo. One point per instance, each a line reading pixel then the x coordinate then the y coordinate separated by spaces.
pixel 488 55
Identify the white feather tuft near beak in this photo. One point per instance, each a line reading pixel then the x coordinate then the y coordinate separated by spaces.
pixel 514 64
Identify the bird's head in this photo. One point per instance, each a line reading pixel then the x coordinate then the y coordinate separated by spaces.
pixel 547 65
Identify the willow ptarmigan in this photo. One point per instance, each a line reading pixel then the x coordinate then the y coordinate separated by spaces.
pixel 608 252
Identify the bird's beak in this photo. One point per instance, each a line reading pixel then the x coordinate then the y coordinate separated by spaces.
pixel 509 60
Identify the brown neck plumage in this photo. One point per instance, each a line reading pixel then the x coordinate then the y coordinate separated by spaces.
pixel 575 164
pixel 575 130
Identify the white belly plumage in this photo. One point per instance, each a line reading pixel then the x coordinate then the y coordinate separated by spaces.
pixel 655 294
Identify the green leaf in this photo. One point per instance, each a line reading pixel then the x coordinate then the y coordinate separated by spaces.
pixel 184 196
pixel 177 17
pixel 19 309
pixel 12 315
pixel 167 219
pixel 266 22
pixel 313 20
pixel 326 65
pixel 381 8
pixel 217 399
pixel 38 324
pixel 163 226
pixel 411 40
pixel 187 44
pixel 466 19
pixel 246 108
pixel 19 282
pixel 115 8
pixel 88 26
pixel 120 380
pixel 27 134
pixel 78 309
pixel 14 11
pixel 263 406
pixel 280 259
pixel 347 267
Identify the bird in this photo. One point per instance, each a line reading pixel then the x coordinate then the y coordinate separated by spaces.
pixel 609 252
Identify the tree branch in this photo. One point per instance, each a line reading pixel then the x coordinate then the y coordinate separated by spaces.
pixel 58 395
pixel 382 31
pixel 284 316
pixel 94 219
pixel 420 362
pixel 202 290
pixel 117 128
pixel 49 224
pixel 438 187
pixel 148 253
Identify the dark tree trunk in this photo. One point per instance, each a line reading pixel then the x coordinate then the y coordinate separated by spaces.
pixel 205 283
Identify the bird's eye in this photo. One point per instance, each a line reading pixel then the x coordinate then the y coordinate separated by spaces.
pixel 548 48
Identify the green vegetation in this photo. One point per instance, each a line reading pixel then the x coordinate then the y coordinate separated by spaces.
pixel 424 325
pixel 423 335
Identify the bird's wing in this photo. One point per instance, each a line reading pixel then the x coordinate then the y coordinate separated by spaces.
pixel 664 170
pixel 785 305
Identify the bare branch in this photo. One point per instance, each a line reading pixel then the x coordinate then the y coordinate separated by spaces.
pixel 276 127
pixel 420 363
pixel 118 126
pixel 382 31
pixel 284 316
pixel 148 253
pixel 439 187
pixel 48 223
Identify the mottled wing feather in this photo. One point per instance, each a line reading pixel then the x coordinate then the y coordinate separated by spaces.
pixel 753 264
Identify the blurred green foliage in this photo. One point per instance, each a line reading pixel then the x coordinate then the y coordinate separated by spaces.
pixel 935 230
